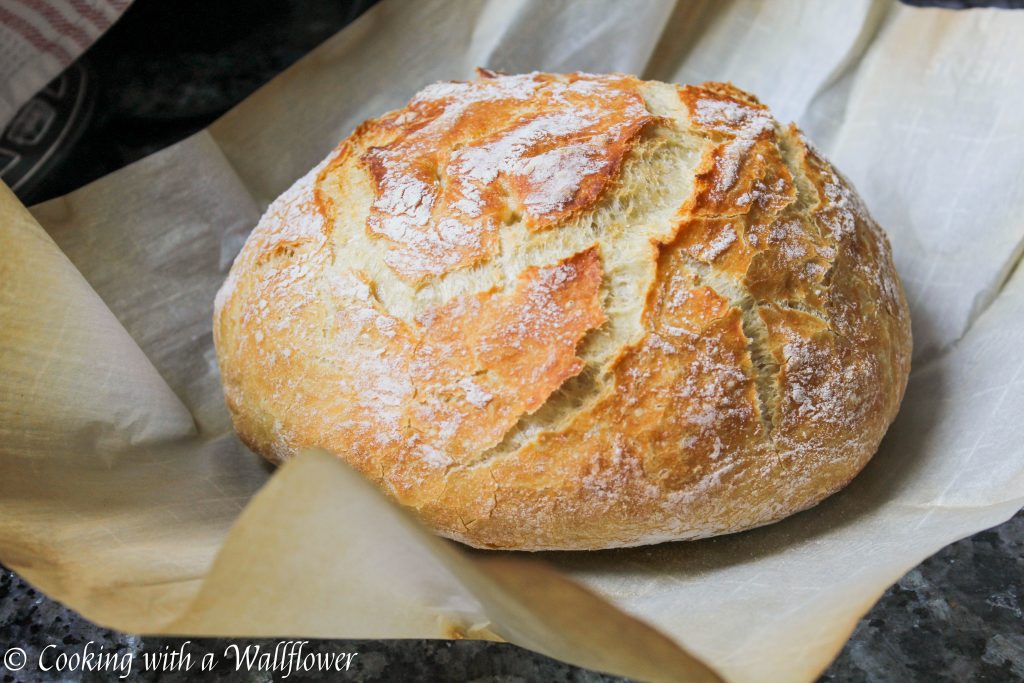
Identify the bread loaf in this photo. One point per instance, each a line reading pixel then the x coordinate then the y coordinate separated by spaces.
pixel 571 312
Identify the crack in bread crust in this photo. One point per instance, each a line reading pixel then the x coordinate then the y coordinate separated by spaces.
pixel 555 312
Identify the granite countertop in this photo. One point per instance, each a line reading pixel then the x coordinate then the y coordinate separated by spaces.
pixel 958 616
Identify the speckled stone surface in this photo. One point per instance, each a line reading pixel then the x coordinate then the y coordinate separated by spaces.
pixel 167 70
pixel 959 616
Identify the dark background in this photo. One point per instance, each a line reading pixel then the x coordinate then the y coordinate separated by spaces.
pixel 168 69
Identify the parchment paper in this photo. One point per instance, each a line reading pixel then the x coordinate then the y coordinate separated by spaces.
pixel 120 477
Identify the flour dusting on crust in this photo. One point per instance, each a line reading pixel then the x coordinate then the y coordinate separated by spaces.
pixel 571 312
pixel 465 156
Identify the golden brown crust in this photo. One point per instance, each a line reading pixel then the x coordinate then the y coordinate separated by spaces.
pixel 450 168
pixel 609 312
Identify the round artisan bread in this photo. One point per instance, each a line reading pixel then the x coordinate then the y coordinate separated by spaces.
pixel 571 312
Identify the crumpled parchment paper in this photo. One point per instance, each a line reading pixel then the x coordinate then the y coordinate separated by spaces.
pixel 120 478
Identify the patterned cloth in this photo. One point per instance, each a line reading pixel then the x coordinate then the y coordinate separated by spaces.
pixel 40 38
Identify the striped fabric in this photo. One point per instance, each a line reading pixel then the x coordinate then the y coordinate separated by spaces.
pixel 39 38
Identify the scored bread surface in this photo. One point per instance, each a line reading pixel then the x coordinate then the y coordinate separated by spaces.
pixel 571 312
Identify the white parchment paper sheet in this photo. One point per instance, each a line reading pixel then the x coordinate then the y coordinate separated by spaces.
pixel 120 477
